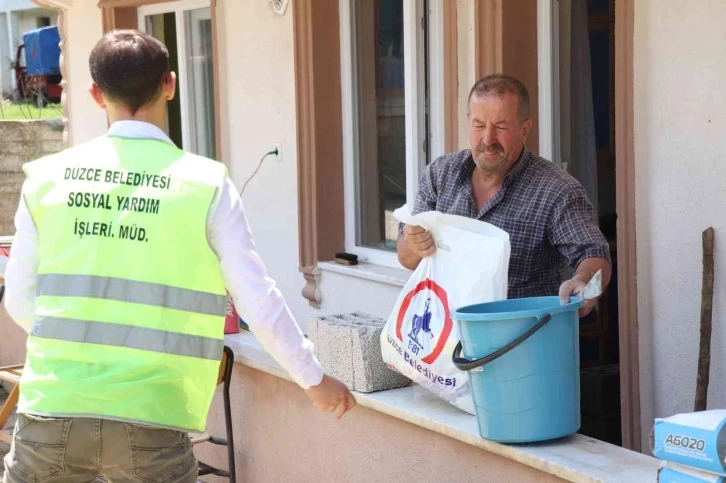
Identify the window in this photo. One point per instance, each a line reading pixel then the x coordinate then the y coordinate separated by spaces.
pixel 392 88
pixel 43 22
pixel 186 29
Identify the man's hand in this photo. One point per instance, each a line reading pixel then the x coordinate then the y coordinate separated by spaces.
pixel 585 271
pixel 332 395
pixel 573 287
pixel 419 241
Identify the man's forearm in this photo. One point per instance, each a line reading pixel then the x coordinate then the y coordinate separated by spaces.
pixel 589 267
pixel 406 256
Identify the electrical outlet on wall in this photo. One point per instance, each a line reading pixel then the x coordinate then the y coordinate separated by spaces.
pixel 279 6
pixel 278 146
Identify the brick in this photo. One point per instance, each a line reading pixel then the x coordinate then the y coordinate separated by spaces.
pixel 349 349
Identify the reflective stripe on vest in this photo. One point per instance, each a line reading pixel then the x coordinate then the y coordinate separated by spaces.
pixel 131 291
pixel 154 340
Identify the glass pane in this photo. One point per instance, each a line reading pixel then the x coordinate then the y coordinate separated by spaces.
pixel 599 7
pixel 587 102
pixel 163 27
pixel 381 173
pixel 200 81
pixel 601 40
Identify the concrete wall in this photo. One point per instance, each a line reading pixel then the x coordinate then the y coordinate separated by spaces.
pixel 280 436
pixel 680 118
pixel 28 20
pixel 22 141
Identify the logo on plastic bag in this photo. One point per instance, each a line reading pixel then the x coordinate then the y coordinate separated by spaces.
pixel 421 337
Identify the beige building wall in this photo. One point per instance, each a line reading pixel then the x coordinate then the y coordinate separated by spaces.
pixel 680 118
pixel 280 436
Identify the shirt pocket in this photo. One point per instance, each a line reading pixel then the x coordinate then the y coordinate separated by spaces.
pixel 39 446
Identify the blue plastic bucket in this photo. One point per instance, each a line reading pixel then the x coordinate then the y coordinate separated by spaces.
pixel 523 360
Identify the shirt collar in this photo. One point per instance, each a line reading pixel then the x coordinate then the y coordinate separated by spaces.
pixel 138 130
pixel 517 169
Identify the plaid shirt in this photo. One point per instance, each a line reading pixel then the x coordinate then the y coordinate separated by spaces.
pixel 550 221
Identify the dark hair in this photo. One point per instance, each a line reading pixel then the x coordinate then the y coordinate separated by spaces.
pixel 500 84
pixel 129 67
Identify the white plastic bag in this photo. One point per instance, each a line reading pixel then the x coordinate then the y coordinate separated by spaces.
pixel 470 266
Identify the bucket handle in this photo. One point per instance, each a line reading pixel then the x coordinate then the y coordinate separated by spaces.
pixel 464 364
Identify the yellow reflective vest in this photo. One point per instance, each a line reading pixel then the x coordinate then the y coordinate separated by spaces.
pixel 130 299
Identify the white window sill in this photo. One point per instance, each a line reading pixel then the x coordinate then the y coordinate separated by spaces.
pixel 578 458
pixel 369 271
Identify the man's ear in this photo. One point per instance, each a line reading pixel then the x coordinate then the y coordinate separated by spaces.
pixel 526 128
pixel 97 95
pixel 170 86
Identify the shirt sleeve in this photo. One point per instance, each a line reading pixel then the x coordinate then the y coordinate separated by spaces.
pixel 574 230
pixel 425 196
pixel 22 270
pixel 255 295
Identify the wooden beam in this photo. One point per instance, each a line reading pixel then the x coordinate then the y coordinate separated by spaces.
pixel 316 33
pixel 451 77
pixel 488 31
pixel 704 350
pixel 625 206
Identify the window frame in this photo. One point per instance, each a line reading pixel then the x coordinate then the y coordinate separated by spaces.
pixel 178 8
pixel 548 74
pixel 415 111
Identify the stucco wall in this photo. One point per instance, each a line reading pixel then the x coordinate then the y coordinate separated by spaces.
pixel 343 293
pixel 280 436
pixel 680 118
pixel 257 75
pixel 257 72
pixel 84 30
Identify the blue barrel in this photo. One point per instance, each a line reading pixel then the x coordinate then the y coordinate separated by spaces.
pixel 523 360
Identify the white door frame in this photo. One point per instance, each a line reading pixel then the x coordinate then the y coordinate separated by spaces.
pixel 178 8
pixel 548 69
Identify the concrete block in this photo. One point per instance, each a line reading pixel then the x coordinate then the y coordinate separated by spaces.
pixel 349 349
pixel 23 141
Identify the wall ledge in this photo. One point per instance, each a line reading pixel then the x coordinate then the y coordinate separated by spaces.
pixel 578 458
pixel 369 271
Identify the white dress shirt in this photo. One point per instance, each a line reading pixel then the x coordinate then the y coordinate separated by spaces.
pixel 258 300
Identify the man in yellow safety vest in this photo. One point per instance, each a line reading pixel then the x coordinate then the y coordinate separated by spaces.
pixel 124 251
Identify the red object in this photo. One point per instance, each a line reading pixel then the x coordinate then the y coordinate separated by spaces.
pixel 4 252
pixel 231 320
pixel 428 284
